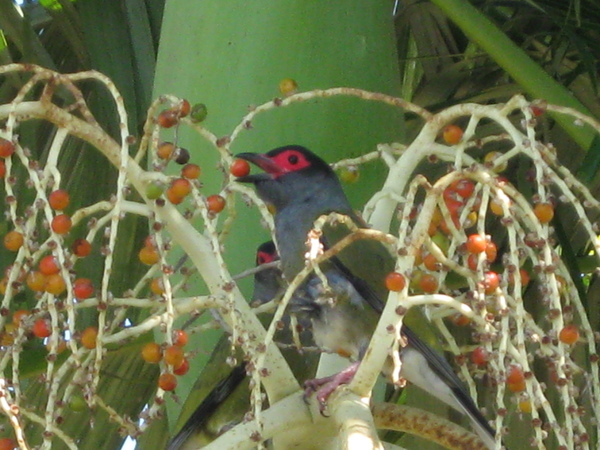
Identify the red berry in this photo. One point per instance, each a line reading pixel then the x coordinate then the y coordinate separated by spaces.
pixel 167 118
pixel 476 243
pixel 183 368
pixel 180 338
pixel 191 171
pixel 151 352
pixel 515 379
pixel 49 265
pixel 452 134
pixel 479 356
pixel 395 281
pixel 463 187
pixel 167 382
pixel 461 320
pixel 174 355
pixel 491 282
pixel 13 240
pixel 59 199
pixel 569 334
pixel 216 203
pixel 2 168
pixel 61 224
pixel 7 444
pixel 239 168
pixel 7 148
pixel 83 288
pixel 89 337
pixel 183 108
pixel 81 247
pixel 42 328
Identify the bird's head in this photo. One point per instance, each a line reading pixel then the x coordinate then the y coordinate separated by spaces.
pixel 290 173
pixel 266 253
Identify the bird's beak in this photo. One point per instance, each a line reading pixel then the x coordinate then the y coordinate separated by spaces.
pixel 272 170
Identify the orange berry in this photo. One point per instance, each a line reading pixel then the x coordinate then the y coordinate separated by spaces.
pixel 3 285
pixel 174 355
pixel 19 315
pixel 59 199
pixel 36 281
pixel 83 288
pixel 148 256
pixel 55 284
pixel 476 243
pixel 180 187
pixel 167 118
pixel 428 283
pixel 569 335
pixel 491 251
pixel 544 212
pixel 180 338
pixel 452 134
pixel 61 224
pixel 167 382
pixel 183 368
pixel 7 148
pixel 395 281
pixel 165 150
pixel 156 286
pixel 239 168
pixel 151 352
pixel 431 263
pixel 89 337
pixel 81 247
pixel 13 241
pixel 42 328
pixel 191 171
pixel 479 356
pixel 2 168
pixel 173 198
pixel 216 203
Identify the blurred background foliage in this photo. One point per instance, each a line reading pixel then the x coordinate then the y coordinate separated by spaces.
pixel 448 52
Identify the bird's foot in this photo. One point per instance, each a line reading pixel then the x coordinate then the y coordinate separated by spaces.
pixel 325 386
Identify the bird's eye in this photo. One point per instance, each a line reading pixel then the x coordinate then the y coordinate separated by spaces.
pixel 293 159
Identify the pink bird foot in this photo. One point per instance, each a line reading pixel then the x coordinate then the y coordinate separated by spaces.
pixel 325 386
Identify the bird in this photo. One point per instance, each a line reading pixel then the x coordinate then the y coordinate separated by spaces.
pixel 299 187
pixel 228 401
